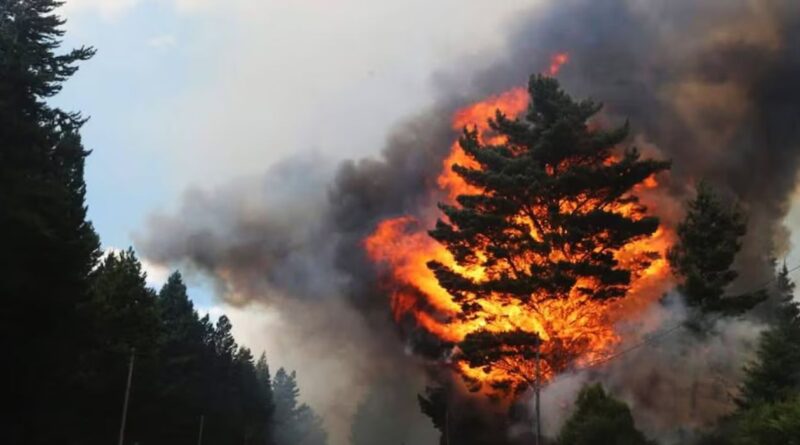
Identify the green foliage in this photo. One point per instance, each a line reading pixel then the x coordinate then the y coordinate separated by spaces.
pixel 48 246
pixel 600 419
pixel 185 368
pixel 125 317
pixel 769 403
pixel 771 423
pixel 124 308
pixel 224 344
pixel 775 374
pixel 549 213
pixel 709 239
pixel 295 423
pixel 265 384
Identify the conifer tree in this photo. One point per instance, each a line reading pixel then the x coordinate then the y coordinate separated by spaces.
pixel 285 393
pixel 769 423
pixel 265 384
pixel 708 240
pixel 549 214
pixel 182 364
pixel 511 351
pixel 252 404
pixel 236 407
pixel 295 423
pixel 600 419
pixel 775 422
pixel 125 318
pixel 774 376
pixel 224 343
pixel 48 246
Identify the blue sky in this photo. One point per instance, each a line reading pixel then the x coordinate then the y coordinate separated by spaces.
pixel 196 93
pixel 124 89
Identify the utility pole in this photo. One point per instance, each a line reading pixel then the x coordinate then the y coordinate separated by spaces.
pixel 200 433
pixel 447 424
pixel 536 395
pixel 127 397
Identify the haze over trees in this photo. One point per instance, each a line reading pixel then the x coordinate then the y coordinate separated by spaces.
pixel 71 320
pixel 294 422
pixel 599 418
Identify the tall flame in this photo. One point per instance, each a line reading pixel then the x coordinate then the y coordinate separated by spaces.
pixel 574 327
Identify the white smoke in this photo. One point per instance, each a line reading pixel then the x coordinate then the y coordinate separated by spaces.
pixel 675 379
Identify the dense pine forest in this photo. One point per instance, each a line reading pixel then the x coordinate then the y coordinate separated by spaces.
pixel 75 320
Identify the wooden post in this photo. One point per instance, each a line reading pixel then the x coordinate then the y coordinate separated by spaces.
pixel 536 395
pixel 127 398
pixel 200 433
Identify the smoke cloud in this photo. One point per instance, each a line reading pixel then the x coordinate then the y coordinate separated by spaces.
pixel 710 85
pixel 676 381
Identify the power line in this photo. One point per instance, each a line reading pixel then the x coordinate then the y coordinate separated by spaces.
pixel 660 335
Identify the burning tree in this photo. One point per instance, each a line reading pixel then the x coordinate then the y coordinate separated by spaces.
pixel 542 237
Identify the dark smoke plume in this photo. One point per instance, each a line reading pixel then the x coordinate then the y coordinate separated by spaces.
pixel 710 84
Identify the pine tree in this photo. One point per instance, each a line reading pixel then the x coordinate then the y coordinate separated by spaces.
pixel 510 351
pixel 125 318
pixel 285 393
pixel 550 214
pixel 295 423
pixel 774 376
pixel 254 408
pixel 265 384
pixel 765 423
pixel 174 303
pixel 224 395
pixel 224 343
pixel 709 239
pixel 182 363
pixel 600 419
pixel 49 248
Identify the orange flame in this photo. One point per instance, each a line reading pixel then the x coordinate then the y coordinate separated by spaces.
pixel 574 327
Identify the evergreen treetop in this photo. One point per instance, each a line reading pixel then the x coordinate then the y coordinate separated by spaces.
pixel 774 375
pixel 600 419
pixel 549 212
pixel 295 423
pixel 708 240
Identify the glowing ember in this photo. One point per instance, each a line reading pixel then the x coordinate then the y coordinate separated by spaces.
pixel 574 330
pixel 556 62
